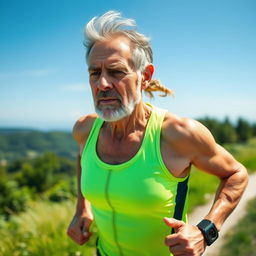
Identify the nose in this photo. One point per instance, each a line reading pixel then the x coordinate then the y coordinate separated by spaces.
pixel 104 83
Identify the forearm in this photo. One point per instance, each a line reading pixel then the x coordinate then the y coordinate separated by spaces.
pixel 83 206
pixel 228 196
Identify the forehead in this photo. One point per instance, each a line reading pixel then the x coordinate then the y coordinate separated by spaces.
pixel 110 51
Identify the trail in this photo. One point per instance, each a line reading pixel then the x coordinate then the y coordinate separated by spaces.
pixel 240 211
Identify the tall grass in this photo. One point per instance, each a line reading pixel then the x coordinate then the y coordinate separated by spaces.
pixel 241 240
pixel 41 231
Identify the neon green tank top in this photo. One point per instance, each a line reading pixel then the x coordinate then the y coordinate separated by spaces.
pixel 130 200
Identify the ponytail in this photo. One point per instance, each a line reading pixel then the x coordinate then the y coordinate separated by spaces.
pixel 154 86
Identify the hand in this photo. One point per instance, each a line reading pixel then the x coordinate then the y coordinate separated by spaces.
pixel 188 240
pixel 78 229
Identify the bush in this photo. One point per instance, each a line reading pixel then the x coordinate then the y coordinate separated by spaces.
pixel 12 198
pixel 61 191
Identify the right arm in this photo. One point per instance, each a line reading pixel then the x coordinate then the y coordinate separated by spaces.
pixel 78 229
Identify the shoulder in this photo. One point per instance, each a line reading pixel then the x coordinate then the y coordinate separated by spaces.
pixel 83 127
pixel 182 131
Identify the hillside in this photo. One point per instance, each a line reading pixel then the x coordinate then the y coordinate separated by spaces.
pixel 28 143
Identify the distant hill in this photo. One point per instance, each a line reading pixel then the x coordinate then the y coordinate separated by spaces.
pixel 18 143
pixel 7 130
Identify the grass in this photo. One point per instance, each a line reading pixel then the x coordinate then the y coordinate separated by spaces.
pixel 41 230
pixel 244 153
pixel 241 240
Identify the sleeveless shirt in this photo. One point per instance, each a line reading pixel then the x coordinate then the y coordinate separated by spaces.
pixel 130 200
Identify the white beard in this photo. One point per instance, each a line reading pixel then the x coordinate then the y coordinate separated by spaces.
pixel 122 112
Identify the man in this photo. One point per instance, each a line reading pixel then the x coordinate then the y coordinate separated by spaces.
pixel 135 159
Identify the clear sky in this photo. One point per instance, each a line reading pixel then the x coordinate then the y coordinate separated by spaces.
pixel 204 50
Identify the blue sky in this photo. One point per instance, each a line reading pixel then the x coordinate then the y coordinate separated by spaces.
pixel 204 50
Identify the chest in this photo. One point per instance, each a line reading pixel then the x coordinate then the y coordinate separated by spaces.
pixel 118 151
pixel 134 188
pixel 122 151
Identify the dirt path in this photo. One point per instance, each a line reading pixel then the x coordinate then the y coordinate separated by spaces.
pixel 237 214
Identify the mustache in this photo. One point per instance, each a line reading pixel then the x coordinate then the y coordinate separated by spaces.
pixel 108 94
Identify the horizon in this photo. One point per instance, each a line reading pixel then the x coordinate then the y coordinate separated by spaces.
pixel 69 128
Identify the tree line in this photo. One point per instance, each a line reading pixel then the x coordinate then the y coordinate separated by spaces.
pixel 227 132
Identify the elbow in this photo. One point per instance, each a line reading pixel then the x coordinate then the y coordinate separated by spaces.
pixel 243 176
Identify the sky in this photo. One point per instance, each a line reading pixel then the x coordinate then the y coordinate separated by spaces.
pixel 203 50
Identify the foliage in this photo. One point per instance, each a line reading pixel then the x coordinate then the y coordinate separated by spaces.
pixel 226 132
pixel 48 176
pixel 12 198
pixel 61 191
pixel 244 153
pixel 18 144
pixel 241 240
pixel 41 230
pixel 244 130
pixel 39 173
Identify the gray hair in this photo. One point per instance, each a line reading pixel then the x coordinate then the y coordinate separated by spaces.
pixel 112 23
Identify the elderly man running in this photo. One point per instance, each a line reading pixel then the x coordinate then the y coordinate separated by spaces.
pixel 135 159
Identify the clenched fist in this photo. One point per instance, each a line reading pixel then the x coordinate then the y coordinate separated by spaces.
pixel 187 240
pixel 78 229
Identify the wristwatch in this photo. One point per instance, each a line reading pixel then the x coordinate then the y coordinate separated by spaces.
pixel 209 231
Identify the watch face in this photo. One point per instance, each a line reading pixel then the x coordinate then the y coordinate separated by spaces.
pixel 213 234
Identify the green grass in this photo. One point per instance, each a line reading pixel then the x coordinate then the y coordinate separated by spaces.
pixel 241 240
pixel 244 153
pixel 41 230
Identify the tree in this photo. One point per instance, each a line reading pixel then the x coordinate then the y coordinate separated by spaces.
pixel 226 133
pixel 12 198
pixel 244 130
pixel 40 174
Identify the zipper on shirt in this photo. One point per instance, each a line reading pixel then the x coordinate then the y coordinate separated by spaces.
pixel 113 212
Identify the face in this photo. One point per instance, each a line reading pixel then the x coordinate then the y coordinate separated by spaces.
pixel 114 82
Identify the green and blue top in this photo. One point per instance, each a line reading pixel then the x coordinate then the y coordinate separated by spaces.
pixel 130 200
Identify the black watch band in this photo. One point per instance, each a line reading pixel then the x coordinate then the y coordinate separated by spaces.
pixel 209 231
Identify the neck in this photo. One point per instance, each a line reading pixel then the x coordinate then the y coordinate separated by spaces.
pixel 136 121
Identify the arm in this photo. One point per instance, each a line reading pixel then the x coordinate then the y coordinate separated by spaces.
pixel 204 153
pixel 82 206
pixel 78 229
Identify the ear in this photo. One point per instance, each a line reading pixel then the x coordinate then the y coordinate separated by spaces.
pixel 147 75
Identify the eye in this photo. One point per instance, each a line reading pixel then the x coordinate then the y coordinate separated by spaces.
pixel 94 73
pixel 116 72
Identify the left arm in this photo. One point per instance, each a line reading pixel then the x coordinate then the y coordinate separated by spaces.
pixel 210 157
